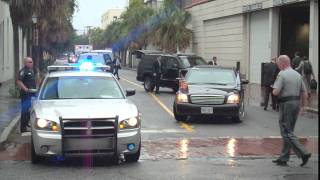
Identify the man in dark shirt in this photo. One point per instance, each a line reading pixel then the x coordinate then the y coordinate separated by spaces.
pixel 156 69
pixel 27 83
pixel 270 73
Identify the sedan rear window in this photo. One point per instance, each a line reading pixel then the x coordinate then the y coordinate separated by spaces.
pixel 81 88
pixel 190 61
pixel 211 76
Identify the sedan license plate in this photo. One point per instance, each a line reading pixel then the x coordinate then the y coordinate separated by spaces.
pixel 206 110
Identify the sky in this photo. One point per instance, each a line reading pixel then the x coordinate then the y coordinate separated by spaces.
pixel 90 11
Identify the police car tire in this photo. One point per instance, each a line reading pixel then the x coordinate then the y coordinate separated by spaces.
pixel 35 159
pixel 133 157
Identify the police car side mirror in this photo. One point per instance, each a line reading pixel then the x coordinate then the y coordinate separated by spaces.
pixel 130 92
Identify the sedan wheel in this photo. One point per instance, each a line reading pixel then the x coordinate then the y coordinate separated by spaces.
pixel 177 116
pixel 147 84
pixel 241 114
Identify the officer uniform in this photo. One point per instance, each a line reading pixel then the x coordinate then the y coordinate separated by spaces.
pixel 290 84
pixel 156 69
pixel 27 77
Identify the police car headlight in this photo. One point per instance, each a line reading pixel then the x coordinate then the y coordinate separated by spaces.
pixel 233 99
pixel 43 124
pixel 130 123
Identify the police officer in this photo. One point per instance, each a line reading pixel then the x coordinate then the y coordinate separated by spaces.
pixel 156 69
pixel 288 87
pixel 27 83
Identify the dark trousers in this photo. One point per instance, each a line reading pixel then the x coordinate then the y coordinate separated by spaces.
pixel 116 72
pixel 268 91
pixel 156 82
pixel 25 114
pixel 288 116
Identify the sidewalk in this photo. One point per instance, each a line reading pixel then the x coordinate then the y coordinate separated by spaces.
pixel 9 107
pixel 253 92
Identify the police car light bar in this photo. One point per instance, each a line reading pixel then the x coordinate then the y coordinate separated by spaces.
pixel 93 67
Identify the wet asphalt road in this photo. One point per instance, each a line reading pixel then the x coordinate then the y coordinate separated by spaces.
pixel 198 149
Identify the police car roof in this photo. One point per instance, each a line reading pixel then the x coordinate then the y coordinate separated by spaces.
pixel 79 73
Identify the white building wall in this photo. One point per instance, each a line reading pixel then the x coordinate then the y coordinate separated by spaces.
pixel 6 38
pixel 109 15
pixel 314 37
pixel 222 28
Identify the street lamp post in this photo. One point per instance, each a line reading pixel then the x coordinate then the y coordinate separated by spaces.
pixel 35 42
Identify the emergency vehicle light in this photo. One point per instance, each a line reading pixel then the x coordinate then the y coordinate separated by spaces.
pixel 83 66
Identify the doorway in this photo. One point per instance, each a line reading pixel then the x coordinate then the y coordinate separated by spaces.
pixel 294 25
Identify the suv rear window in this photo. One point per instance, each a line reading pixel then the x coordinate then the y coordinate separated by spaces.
pixel 190 61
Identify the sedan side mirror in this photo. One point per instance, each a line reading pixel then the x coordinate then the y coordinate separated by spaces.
pixel 130 92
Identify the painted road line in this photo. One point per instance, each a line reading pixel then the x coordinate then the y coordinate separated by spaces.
pixel 183 125
pixel 133 83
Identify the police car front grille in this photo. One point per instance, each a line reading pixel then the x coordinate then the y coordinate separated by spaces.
pixel 207 99
pixel 90 128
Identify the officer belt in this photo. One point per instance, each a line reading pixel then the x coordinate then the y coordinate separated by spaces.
pixel 288 98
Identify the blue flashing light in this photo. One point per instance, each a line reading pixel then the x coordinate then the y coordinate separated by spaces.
pixel 131 147
pixel 86 66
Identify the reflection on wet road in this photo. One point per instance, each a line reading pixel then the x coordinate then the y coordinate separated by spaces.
pixel 180 149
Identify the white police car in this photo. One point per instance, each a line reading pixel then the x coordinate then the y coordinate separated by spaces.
pixel 82 111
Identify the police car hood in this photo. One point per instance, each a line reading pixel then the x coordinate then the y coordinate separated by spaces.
pixel 85 108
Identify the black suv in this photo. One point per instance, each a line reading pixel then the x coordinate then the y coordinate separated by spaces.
pixel 173 66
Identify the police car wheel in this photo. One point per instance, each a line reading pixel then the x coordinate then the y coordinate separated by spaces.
pixel 133 157
pixel 35 159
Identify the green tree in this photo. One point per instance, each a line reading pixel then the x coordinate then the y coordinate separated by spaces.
pixel 171 34
pixel 54 24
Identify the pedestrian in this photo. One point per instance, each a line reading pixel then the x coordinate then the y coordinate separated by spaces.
pixel 289 88
pixel 27 83
pixel 214 59
pixel 157 73
pixel 306 70
pixel 296 60
pixel 117 66
pixel 270 73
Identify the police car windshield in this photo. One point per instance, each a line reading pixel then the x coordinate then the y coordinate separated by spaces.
pixel 79 87
pixel 190 61
pixel 94 58
pixel 211 76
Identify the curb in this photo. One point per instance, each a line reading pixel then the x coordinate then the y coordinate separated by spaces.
pixel 5 133
pixel 312 110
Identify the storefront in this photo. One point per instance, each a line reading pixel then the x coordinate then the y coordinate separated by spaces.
pixel 251 33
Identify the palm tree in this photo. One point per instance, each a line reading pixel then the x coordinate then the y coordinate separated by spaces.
pixel 171 34
pixel 57 13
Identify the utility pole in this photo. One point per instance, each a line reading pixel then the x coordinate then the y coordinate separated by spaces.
pixel 89 33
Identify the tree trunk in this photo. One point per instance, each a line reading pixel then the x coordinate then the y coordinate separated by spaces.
pixel 16 49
